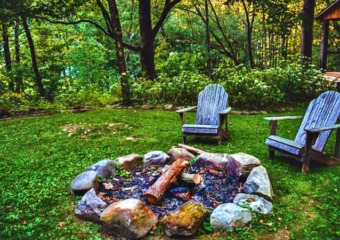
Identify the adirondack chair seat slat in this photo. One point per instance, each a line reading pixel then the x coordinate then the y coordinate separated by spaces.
pixel 285 145
pixel 200 129
pixel 212 112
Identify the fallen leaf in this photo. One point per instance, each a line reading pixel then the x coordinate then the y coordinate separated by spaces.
pixel 61 224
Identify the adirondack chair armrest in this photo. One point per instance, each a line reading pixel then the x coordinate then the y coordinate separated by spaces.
pixel 225 111
pixel 273 122
pixel 321 129
pixel 182 112
pixel 186 109
pixel 283 118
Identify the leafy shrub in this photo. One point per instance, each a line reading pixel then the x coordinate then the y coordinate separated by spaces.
pixel 287 84
pixel 90 95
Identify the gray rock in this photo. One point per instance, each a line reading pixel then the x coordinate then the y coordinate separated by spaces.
pixel 245 113
pixel 258 183
pixel 256 203
pixel 213 160
pixel 230 216
pixel 179 108
pixel 104 168
pixel 156 158
pixel 146 107
pixel 176 153
pixel 129 218
pixel 254 113
pixel 129 161
pixel 84 182
pixel 90 207
pixel 168 107
pixel 234 112
pixel 185 221
pixel 263 112
pixel 246 162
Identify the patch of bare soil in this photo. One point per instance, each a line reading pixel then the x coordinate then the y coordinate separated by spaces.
pixel 281 234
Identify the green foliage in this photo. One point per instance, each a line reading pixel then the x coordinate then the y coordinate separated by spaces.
pixel 287 84
pixel 90 95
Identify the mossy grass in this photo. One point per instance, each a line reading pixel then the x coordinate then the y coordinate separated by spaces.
pixel 39 160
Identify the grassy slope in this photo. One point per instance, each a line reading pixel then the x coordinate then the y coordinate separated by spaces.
pixel 38 162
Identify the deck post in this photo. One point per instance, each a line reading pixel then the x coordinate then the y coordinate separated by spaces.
pixel 324 45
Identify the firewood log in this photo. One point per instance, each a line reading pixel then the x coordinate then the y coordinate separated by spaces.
pixel 193 150
pixel 186 177
pixel 155 193
pixel 191 178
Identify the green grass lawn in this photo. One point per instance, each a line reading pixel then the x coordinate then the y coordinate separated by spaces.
pixel 38 161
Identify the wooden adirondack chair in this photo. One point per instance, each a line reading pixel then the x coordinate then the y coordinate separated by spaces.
pixel 212 112
pixel 320 119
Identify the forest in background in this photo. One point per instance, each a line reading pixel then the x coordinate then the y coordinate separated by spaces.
pixel 103 51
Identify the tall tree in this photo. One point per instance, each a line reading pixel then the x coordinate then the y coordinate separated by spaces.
pixel 207 36
pixel 7 53
pixel 36 70
pixel 307 28
pixel 148 34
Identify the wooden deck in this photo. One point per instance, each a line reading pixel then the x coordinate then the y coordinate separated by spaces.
pixel 332 76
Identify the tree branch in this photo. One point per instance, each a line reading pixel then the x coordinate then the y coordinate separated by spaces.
pixel 168 5
pixel 75 23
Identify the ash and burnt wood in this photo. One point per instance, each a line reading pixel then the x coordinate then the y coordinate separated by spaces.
pixel 217 187
pixel 320 119
pixel 212 112
pixel 154 194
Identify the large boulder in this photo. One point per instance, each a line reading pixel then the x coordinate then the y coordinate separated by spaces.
pixel 185 221
pixel 258 183
pixel 104 168
pixel 256 203
pixel 84 182
pixel 129 218
pixel 230 216
pixel 247 162
pixel 155 158
pixel 129 161
pixel 176 153
pixel 90 207
pixel 213 160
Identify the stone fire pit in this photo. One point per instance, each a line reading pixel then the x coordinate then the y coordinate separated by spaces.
pixel 178 190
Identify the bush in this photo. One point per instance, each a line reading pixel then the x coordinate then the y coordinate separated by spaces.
pixel 287 84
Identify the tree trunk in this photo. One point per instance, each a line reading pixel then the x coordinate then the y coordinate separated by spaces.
pixel 207 35
pixel 34 59
pixel 250 48
pixel 18 80
pixel 249 26
pixel 307 28
pixel 120 54
pixel 147 55
pixel 7 53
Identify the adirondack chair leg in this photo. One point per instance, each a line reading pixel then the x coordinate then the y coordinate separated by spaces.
pixel 220 139
pixel 184 139
pixel 337 143
pixel 273 127
pixel 310 139
pixel 271 153
pixel 226 127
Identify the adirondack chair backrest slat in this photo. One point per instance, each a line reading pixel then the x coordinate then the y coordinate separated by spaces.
pixel 211 101
pixel 322 111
